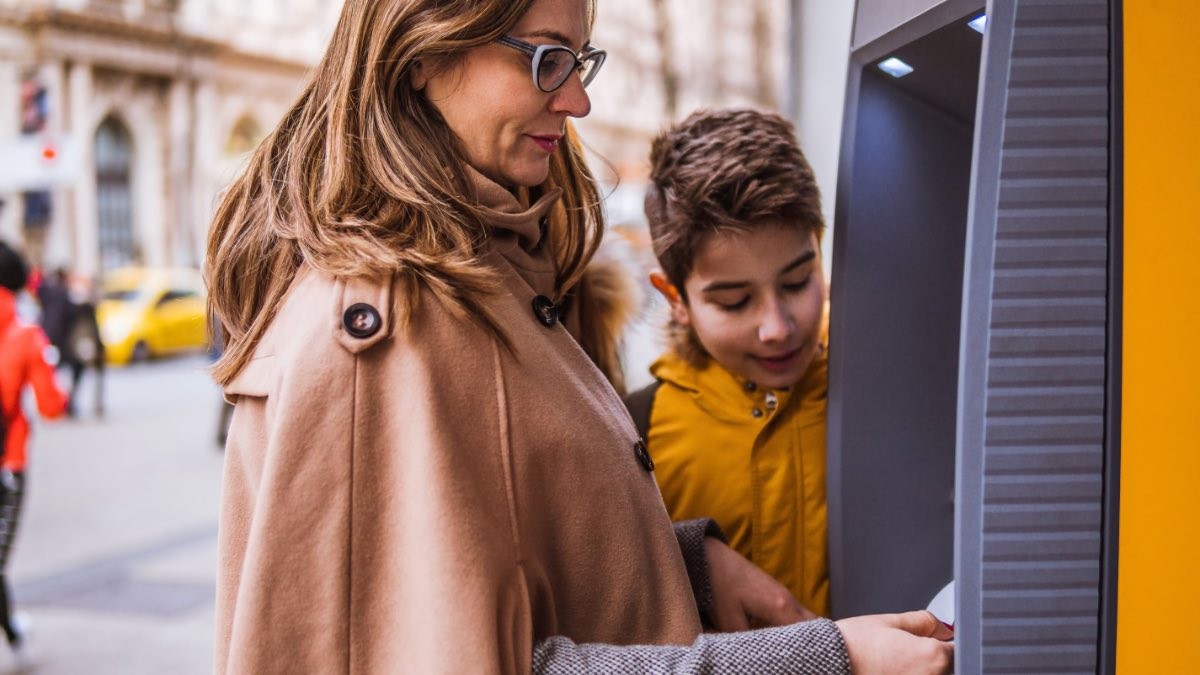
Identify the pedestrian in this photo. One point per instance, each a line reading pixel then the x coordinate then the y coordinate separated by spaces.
pixel 87 347
pixel 69 320
pixel 424 471
pixel 26 360
pixel 55 301
pixel 735 419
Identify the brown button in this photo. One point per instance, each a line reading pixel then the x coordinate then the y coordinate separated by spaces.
pixel 545 311
pixel 751 387
pixel 643 455
pixel 757 412
pixel 362 321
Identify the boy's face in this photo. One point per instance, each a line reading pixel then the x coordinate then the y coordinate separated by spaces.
pixel 755 299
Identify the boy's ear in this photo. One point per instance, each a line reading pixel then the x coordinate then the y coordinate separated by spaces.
pixel 679 311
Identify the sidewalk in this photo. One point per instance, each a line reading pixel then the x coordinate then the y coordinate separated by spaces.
pixel 116 555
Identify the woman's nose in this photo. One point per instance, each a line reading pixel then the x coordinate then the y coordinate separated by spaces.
pixel 571 98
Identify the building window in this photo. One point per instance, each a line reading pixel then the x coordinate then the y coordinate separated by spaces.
pixel 114 194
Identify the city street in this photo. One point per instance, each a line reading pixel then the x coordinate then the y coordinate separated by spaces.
pixel 115 558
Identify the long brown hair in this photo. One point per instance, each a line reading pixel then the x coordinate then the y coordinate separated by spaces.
pixel 363 177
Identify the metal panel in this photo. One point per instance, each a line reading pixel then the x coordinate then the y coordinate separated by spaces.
pixel 1033 386
pixel 897 295
pixel 876 18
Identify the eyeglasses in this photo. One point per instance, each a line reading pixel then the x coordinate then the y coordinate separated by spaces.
pixel 553 64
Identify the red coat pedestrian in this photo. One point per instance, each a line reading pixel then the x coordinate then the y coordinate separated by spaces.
pixel 26 359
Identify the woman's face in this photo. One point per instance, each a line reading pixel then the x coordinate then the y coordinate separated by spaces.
pixel 508 127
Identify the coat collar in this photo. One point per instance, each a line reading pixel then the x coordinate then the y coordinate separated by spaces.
pixel 518 231
pixel 732 398
pixel 507 214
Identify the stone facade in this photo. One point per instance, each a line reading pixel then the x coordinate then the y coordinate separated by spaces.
pixel 717 53
pixel 153 104
pixel 153 111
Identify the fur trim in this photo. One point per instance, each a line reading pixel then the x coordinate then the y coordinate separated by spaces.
pixel 608 298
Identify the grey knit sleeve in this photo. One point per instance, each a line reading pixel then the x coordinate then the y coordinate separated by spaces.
pixel 691 534
pixel 809 648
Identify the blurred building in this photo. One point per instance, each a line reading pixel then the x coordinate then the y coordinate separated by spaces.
pixel 667 58
pixel 122 119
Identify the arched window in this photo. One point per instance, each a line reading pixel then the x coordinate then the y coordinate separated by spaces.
pixel 245 137
pixel 114 194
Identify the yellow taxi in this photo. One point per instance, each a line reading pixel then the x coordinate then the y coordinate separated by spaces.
pixel 145 313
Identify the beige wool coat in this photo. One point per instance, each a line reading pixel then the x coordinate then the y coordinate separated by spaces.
pixel 425 501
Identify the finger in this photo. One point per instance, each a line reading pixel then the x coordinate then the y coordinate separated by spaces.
pixel 922 623
pixel 948 652
pixel 808 614
pixel 782 610
pixel 731 620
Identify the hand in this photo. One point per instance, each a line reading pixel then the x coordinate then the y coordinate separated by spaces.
pixel 744 596
pixel 900 644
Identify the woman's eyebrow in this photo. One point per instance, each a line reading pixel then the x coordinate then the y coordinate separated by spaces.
pixel 552 35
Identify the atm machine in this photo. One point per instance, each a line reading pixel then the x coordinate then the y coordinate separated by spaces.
pixel 975 327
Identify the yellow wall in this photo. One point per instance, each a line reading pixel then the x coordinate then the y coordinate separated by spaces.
pixel 1159 569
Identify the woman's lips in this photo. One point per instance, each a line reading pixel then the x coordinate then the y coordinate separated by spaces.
pixel 549 144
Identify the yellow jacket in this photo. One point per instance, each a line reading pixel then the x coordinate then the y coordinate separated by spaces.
pixel 753 460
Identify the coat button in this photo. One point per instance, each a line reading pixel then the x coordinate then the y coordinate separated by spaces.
pixel 772 400
pixel 362 321
pixel 545 311
pixel 757 413
pixel 643 455
pixel 751 387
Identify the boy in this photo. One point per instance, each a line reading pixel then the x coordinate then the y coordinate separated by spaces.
pixel 736 420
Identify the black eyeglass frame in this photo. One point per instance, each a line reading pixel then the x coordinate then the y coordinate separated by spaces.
pixel 537 52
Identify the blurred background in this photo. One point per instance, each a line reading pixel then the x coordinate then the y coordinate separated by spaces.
pixel 120 123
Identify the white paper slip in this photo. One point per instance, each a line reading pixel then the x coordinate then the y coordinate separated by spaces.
pixel 942 605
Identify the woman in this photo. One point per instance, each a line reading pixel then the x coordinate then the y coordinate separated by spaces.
pixel 26 361
pixel 425 472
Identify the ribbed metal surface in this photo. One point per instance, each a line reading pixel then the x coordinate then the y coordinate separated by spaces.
pixel 1045 398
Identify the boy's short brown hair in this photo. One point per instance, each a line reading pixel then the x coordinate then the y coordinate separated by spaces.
pixel 722 171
